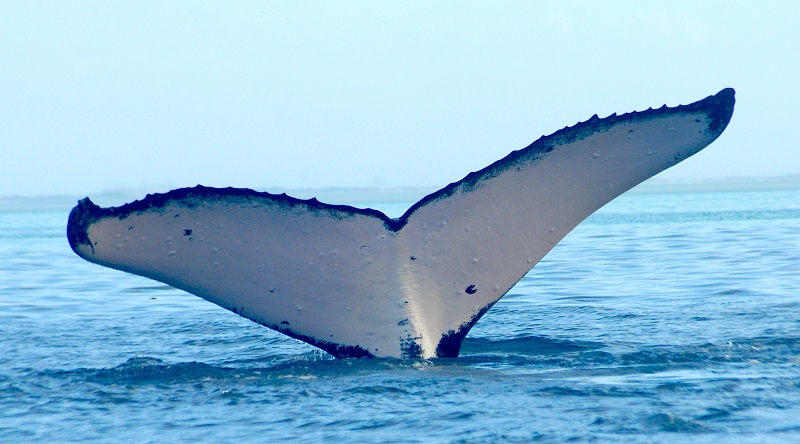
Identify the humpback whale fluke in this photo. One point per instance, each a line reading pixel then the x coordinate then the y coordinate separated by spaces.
pixel 355 282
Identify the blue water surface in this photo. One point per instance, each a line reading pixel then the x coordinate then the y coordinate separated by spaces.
pixel 662 318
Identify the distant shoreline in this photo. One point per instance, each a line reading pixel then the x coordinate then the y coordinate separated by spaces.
pixel 655 185
pixel 369 195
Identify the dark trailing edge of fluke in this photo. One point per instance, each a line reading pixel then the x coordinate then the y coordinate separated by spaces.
pixel 718 106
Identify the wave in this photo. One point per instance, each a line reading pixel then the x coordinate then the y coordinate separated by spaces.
pixel 529 345
pixel 538 352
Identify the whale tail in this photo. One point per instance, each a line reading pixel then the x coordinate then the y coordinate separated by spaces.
pixel 357 283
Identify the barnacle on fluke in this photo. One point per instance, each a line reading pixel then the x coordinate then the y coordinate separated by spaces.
pixel 348 283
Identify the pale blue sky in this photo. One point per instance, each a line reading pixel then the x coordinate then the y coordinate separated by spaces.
pixel 103 96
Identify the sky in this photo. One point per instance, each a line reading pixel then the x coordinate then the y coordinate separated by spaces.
pixel 102 96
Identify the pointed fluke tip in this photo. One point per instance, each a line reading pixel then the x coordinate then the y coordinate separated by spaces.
pixel 79 220
pixel 721 109
pixel 725 98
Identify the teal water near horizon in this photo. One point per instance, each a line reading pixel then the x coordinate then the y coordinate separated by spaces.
pixel 664 317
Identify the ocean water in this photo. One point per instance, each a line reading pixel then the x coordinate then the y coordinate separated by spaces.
pixel 666 317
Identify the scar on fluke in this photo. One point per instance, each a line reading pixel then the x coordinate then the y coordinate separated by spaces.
pixel 396 287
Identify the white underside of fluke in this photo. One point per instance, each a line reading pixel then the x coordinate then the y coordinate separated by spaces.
pixel 356 283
